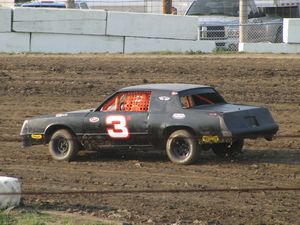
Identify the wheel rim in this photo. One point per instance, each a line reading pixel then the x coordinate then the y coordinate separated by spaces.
pixel 61 146
pixel 180 148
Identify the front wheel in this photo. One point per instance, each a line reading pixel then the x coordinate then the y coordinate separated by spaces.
pixel 63 145
pixel 226 150
pixel 182 147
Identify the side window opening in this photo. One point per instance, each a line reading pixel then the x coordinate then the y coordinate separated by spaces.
pixel 201 98
pixel 187 102
pixel 110 105
pixel 137 101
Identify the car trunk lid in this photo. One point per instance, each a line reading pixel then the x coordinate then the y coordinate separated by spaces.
pixel 244 121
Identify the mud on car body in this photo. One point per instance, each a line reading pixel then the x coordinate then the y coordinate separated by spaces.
pixel 183 119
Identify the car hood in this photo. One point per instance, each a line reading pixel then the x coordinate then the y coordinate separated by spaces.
pixel 64 114
pixel 218 20
pixel 81 111
pixel 231 20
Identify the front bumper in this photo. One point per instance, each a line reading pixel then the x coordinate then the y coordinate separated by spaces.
pixel 32 139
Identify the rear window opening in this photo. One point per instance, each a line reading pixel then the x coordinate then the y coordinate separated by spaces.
pixel 205 96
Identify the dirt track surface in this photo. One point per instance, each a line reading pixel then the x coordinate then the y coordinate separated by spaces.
pixel 40 84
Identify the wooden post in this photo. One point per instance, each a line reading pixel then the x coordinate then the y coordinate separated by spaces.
pixel 243 21
pixel 70 4
pixel 167 5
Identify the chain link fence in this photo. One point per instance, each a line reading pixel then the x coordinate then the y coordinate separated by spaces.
pixel 141 6
pixel 283 8
pixel 230 22
pixel 226 36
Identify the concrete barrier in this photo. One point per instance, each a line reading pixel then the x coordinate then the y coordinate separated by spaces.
pixel 14 42
pixel 64 21
pixel 269 48
pixel 67 43
pixel 9 185
pixel 75 31
pixel 5 19
pixel 152 25
pixel 291 30
pixel 133 45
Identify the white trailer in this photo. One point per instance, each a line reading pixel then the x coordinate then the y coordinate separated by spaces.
pixel 283 8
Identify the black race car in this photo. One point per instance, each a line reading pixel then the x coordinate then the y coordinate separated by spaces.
pixel 181 118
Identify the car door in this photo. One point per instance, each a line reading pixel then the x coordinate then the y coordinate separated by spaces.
pixel 121 120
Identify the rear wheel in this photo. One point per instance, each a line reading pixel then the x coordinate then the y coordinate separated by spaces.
pixel 182 147
pixel 228 150
pixel 63 145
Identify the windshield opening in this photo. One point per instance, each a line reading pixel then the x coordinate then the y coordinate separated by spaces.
pixel 206 96
pixel 214 7
pixel 222 8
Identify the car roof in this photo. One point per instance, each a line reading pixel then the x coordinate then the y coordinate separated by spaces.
pixel 163 87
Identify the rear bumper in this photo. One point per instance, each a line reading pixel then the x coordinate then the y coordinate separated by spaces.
pixel 226 136
pixel 258 132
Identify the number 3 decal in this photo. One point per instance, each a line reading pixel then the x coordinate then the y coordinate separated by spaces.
pixel 120 129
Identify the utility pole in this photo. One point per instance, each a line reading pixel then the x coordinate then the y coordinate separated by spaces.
pixel 70 4
pixel 167 5
pixel 243 21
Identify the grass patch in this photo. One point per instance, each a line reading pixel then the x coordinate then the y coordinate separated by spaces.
pixel 37 218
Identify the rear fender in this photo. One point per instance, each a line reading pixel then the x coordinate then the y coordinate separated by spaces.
pixel 169 130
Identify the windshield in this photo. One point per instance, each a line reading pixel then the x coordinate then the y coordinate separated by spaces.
pixel 214 7
pixel 222 8
pixel 201 96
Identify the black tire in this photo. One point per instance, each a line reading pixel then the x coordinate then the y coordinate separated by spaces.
pixel 63 145
pixel 226 150
pixel 182 147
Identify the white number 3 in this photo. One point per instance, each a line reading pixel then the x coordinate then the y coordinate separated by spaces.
pixel 120 129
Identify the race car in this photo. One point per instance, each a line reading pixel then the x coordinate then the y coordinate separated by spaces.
pixel 182 119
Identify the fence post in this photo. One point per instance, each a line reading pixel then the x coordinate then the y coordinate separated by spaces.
pixel 70 4
pixel 243 21
pixel 167 4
